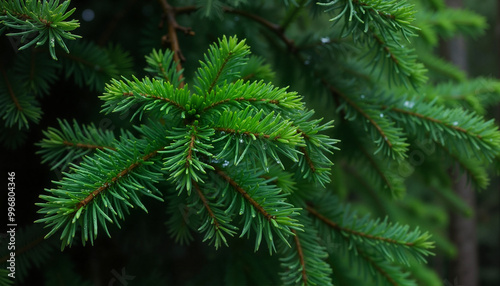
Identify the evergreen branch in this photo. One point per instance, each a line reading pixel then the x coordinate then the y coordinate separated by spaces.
pixel 474 94
pixel 257 94
pixel 206 205
pixel 161 64
pixel 17 107
pixel 46 19
pixel 336 226
pixel 92 195
pixel 448 125
pixel 42 71
pixel 181 217
pixel 391 240
pixel 102 187
pixel 265 134
pixel 190 146
pixel 305 259
pixel 31 251
pixel 217 222
pixel 401 60
pixel 245 195
pixel 220 65
pixel 60 147
pixel 391 16
pixel 388 272
pixel 383 177
pixel 389 138
pixel 300 252
pixel 173 26
pixel 275 28
pixel 314 163
pixel 93 66
pixel 155 96
pixel 262 205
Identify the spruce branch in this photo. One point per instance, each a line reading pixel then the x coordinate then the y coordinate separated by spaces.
pixel 392 240
pixel 305 260
pixel 173 26
pixel 68 143
pixel 45 19
pixel 17 106
pixel 262 205
pixel 394 15
pixel 389 138
pixel 102 188
pixel 448 125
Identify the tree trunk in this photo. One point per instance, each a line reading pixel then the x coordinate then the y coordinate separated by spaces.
pixel 464 268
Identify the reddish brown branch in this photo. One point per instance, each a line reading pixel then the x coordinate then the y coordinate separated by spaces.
pixel 301 257
pixel 173 26
pixel 107 185
pixel 272 101
pixel 334 225
pixel 205 203
pixel 380 270
pixel 421 116
pixel 87 146
pixel 190 151
pixel 242 192
pixel 155 97
pixel 337 94
pixel 308 159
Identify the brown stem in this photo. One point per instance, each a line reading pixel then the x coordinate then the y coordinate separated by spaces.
pixel 334 225
pixel 301 257
pixel 205 204
pixel 107 185
pixel 86 146
pixel 173 26
pixel 242 192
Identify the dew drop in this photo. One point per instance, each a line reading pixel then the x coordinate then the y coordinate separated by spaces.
pixel 409 104
pixel 362 96
pixel 225 164
pixel 222 133
pixel 381 115
pixel 325 40
pixel 241 140
pixel 455 123
pixel 385 138
pixel 278 162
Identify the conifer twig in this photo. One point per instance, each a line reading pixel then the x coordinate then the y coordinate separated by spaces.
pixel 335 225
pixel 301 257
pixel 173 26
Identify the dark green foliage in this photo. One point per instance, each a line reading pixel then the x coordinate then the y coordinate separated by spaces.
pixel 223 142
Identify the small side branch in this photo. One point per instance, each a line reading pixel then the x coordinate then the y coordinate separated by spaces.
pixel 173 26
pixel 277 29
pixel 86 146
pixel 107 185
pixel 336 226
pixel 11 91
pixel 242 192
pixel 301 257
pixel 205 204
